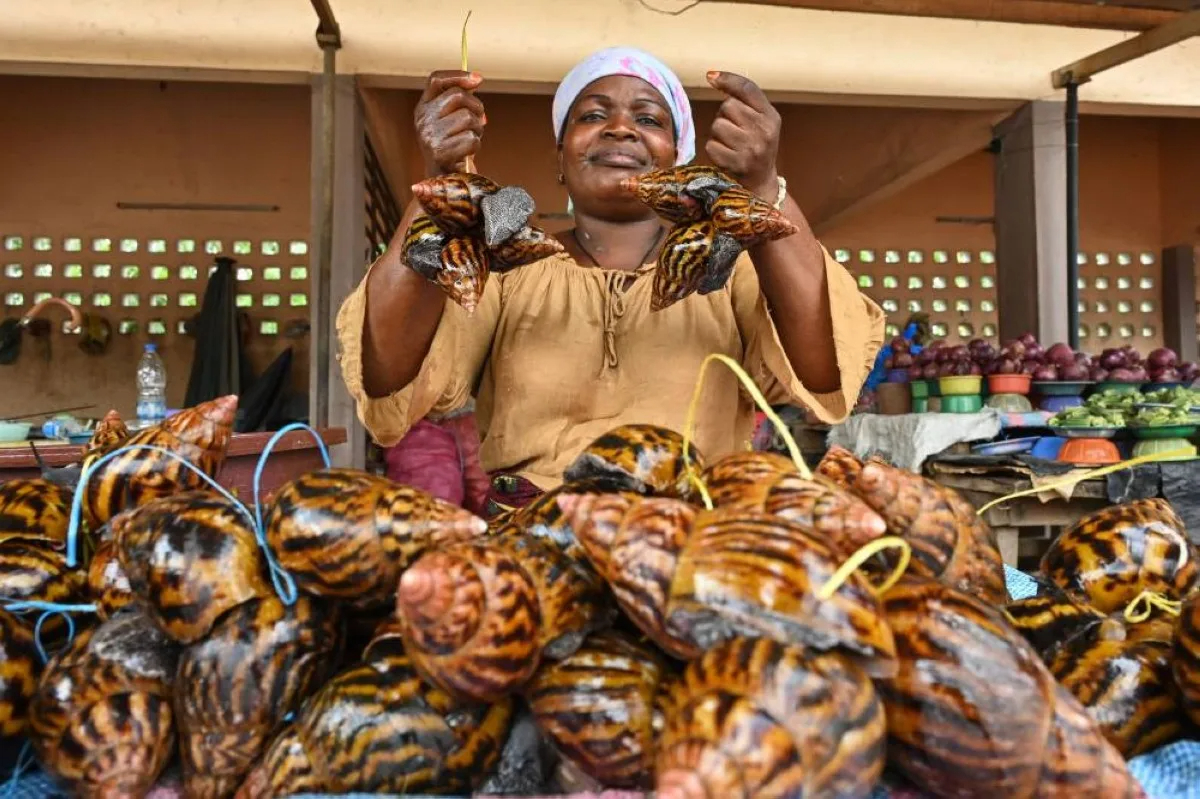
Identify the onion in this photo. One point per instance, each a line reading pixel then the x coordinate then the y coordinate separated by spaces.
pixel 1123 375
pixel 929 371
pixel 1029 367
pixel 1007 366
pixel 1083 359
pixel 1167 374
pixel 1140 375
pixel 1188 371
pixel 983 353
pixel 974 368
pixel 1112 359
pixel 1045 372
pixel 901 344
pixel 1028 339
pixel 902 360
pixel 916 373
pixel 1073 371
pixel 1162 358
pixel 1034 352
pixel 1060 354
pixel 1014 350
pixel 1098 373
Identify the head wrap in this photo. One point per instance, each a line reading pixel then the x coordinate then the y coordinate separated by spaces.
pixel 638 64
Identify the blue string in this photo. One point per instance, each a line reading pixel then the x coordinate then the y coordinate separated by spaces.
pixel 48 609
pixel 285 584
pixel 25 761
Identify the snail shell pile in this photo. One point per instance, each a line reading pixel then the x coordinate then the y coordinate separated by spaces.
pixel 642 458
pixel 471 227
pixel 714 220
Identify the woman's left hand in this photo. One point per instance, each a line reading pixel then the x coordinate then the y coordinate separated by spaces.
pixel 745 134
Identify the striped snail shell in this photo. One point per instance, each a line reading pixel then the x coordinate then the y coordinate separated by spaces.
pixel 749 220
pixel 108 585
pixel 110 433
pixel 1185 661
pixel 974 712
pixel 756 719
pixel 1109 557
pixel 839 466
pixel 347 534
pixel 19 670
pixel 34 509
pixel 769 483
pixel 101 719
pixel 950 541
pixel 642 458
pixel 189 557
pixel 30 571
pixel 528 245
pixel 1053 619
pixel 1126 687
pixel 597 707
pixel 690 255
pixel 234 687
pixel 200 435
pixel 454 202
pixel 378 728
pixel 478 617
pixel 544 519
pixel 675 195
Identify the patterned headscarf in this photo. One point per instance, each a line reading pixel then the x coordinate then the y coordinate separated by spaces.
pixel 638 64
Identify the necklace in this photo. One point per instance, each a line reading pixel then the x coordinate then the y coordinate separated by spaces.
pixel 654 244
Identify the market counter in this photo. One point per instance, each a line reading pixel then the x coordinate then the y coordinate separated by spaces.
pixel 293 455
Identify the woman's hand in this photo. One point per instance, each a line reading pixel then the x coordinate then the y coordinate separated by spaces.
pixel 745 134
pixel 449 120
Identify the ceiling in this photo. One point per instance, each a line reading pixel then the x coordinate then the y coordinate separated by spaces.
pixel 1162 5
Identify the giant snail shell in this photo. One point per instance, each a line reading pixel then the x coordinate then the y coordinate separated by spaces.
pixel 234 687
pixel 642 458
pixel 1109 557
pixel 690 579
pixel 346 534
pixel 1185 660
pixel 478 617
pixel 190 558
pixel 109 434
pixel 200 435
pixel 377 727
pixel 769 483
pixel 31 571
pixel 1053 619
pixel 542 518
pixel 101 719
pixel 108 585
pixel 598 707
pixel 974 712
pixel 839 466
pixel 756 719
pixel 19 670
pixel 950 541
pixel 34 509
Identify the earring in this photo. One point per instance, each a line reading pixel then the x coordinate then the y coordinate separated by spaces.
pixel 562 179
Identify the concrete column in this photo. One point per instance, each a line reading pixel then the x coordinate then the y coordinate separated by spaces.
pixel 1031 222
pixel 1179 299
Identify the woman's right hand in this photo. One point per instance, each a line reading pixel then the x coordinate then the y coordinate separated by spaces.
pixel 449 120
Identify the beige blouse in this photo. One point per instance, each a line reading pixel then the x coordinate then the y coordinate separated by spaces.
pixel 557 354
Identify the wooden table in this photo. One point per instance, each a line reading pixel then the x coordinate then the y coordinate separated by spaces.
pixel 1024 514
pixel 293 455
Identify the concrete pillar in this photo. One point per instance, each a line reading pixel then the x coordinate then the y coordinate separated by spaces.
pixel 1179 300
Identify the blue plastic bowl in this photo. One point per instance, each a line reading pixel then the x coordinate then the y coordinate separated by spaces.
pixel 1047 448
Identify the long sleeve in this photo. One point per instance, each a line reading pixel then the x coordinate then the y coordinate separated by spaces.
pixel 858 330
pixel 448 374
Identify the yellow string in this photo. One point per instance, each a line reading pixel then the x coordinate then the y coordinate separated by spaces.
pixel 1145 603
pixel 1079 478
pixel 689 426
pixel 469 162
pixel 860 557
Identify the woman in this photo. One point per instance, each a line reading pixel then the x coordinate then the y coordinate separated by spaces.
pixel 563 350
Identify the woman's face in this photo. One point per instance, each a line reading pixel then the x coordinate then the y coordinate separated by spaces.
pixel 618 127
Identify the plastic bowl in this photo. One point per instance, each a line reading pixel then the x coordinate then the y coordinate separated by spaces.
pixel 1055 403
pixel 1089 452
pixel 1009 384
pixel 14 431
pixel 1061 388
pixel 1048 447
pixel 919 389
pixel 1163 431
pixel 1010 403
pixel 1109 385
pixel 920 405
pixel 960 385
pixel 961 403
pixel 1154 446
pixel 897 376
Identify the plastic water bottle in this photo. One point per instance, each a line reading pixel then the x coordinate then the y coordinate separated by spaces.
pixel 151 388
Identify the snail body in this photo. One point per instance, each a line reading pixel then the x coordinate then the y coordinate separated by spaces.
pixel 478 617
pixel 756 719
pixel 34 509
pixel 1109 557
pixel 234 687
pixel 641 458
pixel 101 719
pixel 346 534
pixel 190 558
pixel 200 435
pixel 598 708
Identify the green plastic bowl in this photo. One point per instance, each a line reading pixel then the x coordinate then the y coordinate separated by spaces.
pixel 1010 403
pixel 1153 446
pixel 919 389
pixel 920 405
pixel 1150 432
pixel 962 403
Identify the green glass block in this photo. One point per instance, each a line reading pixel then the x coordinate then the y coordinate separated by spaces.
pixel 159 300
pixel 891 257
pixel 245 273
pixel 245 301
pixel 157 327
pixel 129 245
pixel 865 281
pixel 160 273
pixel 101 270
pixel 916 257
pixel 939 329
pixel 14 299
pixel 156 245
pixel 12 243
pixel 270 248
pixel 987 257
pixel 890 306
pixel 299 273
pixel 989 329
pixel 1101 260
pixel 272 273
pixel 963 257
pixel 841 256
pixel 101 245
pixel 1126 331
pixel 268 327
pixel 298 248
pixel 73 297
pixel 213 246
pixel 915 282
pixel 185 245
pixel 941 257
pixel 298 300
pixel 914 306
pixel 987 306
pixel 131 271
pixel 987 282
pixel 890 282
pixel 242 248
pixel 47 270
pixel 131 300
pixel 127 327
pixel 965 330
pixel 962 306
pixel 102 299
pixel 270 300
pixel 187 299
pixel 962 282
pixel 1146 283
pixel 1148 332
pixel 1147 258
pixel 43 243
pixel 72 244
pixel 14 270
pixel 188 272
pixel 1146 306
pixel 42 295
pixel 866 256
pixel 939 306
pixel 1124 283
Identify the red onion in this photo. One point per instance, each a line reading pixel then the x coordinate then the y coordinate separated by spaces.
pixel 1123 375
pixel 929 371
pixel 901 344
pixel 1112 359
pixel 1045 372
pixel 916 373
pixel 902 360
pixel 1029 367
pixel 1162 358
pixel 1168 374
pixel 1028 339
pixel 1098 373
pixel 1013 349
pixel 1007 366
pixel 1060 354
pixel 1074 371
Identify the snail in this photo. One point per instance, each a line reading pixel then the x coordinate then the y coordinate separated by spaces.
pixel 346 534
pixel 1125 686
pixel 1185 660
pixel 378 728
pixel 598 708
pixel 974 712
pixel 714 219
pixel 189 557
pixel 471 226
pixel 34 509
pixel 542 518
pixel 1109 557
pixel 200 435
pixel 642 458
pixel 1052 619
pixel 110 433
pixel 756 719
pixel 233 688
pixel 32 572
pixel 101 719
pixel 950 541
pixel 840 467
pixel 19 669
pixel 690 579
pixel 478 617
pixel 108 585
pixel 769 483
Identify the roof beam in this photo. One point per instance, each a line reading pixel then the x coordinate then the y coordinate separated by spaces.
pixel 1032 12
pixel 1182 27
